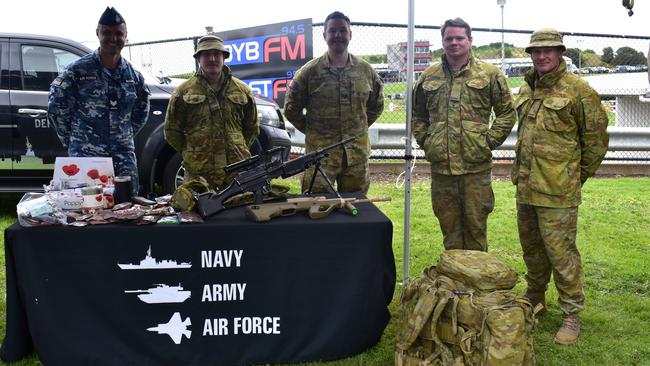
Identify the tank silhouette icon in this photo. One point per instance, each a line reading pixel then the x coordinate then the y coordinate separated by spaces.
pixel 162 294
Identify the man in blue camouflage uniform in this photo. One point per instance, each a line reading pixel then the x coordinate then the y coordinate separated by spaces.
pixel 99 102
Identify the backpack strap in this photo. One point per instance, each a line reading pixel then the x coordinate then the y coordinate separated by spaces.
pixel 444 296
pixel 418 317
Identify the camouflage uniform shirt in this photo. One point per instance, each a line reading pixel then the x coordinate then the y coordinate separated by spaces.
pixel 562 138
pixel 340 103
pixel 96 111
pixel 451 116
pixel 212 129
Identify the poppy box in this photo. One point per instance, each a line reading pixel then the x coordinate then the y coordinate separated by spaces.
pixel 75 172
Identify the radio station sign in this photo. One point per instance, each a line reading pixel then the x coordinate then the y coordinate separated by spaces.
pixel 266 57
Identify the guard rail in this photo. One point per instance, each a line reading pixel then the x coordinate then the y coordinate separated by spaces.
pixel 384 136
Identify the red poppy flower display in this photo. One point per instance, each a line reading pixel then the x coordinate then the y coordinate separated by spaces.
pixel 70 170
pixel 93 174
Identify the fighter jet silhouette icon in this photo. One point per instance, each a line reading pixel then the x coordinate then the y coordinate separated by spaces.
pixel 175 328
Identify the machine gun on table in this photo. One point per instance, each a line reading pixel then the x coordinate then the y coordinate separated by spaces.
pixel 255 176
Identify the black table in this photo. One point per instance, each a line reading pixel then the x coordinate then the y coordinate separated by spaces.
pixel 290 290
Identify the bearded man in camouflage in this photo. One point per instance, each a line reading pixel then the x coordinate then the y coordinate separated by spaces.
pixel 342 96
pixel 452 104
pixel 211 118
pixel 562 138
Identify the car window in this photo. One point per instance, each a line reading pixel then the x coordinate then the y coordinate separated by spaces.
pixel 41 65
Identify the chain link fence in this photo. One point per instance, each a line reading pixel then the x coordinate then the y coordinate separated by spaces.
pixel 614 65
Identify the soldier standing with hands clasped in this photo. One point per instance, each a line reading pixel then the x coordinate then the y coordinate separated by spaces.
pixel 452 104
pixel 342 96
pixel 212 118
pixel 99 102
pixel 562 139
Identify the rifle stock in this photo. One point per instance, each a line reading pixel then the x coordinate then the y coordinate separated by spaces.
pixel 317 207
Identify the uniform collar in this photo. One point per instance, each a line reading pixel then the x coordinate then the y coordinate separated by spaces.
pixel 471 61
pixel 225 80
pixel 326 60
pixel 117 72
pixel 547 80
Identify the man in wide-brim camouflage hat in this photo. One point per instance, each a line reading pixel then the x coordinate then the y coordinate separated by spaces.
pixel 562 139
pixel 211 118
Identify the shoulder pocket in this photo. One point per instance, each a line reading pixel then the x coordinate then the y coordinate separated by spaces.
pixel 478 95
pixel 193 98
pixel 477 83
pixel 238 98
pixel 558 117
pixel 556 103
pixel 432 85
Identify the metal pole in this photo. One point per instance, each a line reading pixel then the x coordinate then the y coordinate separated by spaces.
pixel 503 49
pixel 410 48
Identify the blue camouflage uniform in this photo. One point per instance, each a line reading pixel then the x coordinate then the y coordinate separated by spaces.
pixel 97 111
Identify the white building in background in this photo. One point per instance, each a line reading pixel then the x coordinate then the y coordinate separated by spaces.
pixel 396 56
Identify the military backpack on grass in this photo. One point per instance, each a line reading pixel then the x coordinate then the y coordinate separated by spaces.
pixel 463 312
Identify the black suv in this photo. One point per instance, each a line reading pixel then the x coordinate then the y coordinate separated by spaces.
pixel 29 145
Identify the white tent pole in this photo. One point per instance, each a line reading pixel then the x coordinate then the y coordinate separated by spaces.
pixel 410 47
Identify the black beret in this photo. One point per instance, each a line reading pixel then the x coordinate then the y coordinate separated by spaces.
pixel 111 17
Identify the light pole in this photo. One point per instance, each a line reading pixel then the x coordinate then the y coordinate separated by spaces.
pixel 579 55
pixel 502 3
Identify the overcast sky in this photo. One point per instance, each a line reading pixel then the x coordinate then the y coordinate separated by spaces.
pixel 165 19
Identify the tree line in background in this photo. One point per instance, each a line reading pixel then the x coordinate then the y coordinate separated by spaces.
pixel 585 58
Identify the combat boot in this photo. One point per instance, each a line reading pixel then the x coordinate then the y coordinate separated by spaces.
pixel 536 298
pixel 569 331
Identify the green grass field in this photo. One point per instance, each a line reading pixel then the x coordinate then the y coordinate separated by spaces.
pixel 614 240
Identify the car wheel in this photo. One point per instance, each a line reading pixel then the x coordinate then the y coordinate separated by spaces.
pixel 174 173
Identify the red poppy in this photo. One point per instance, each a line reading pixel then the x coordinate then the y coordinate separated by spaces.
pixel 109 202
pixel 98 197
pixel 103 178
pixel 70 170
pixel 93 174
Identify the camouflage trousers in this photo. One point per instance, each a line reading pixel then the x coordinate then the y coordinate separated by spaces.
pixel 548 240
pixel 462 204
pixel 348 178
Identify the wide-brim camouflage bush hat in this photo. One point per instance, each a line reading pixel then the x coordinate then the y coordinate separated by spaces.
pixel 546 37
pixel 211 43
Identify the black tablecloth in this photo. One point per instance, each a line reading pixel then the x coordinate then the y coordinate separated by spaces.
pixel 293 289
